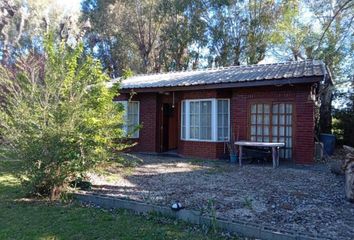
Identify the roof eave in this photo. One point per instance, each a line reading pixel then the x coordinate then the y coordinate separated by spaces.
pixel 255 83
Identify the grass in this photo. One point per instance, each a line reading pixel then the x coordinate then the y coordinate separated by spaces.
pixel 40 219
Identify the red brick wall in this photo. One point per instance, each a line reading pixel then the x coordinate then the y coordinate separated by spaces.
pixel 240 99
pixel 303 124
pixel 148 119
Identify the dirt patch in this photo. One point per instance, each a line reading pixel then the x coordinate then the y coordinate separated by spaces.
pixel 296 199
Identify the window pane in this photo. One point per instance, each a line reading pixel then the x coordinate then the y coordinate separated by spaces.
pixel 132 119
pixel 253 130
pixel 183 119
pixel 289 108
pixel 266 130
pixel 266 108
pixel 205 120
pixel 288 131
pixel 220 106
pixel 259 119
pixel 275 119
pixel 260 108
pixel 226 106
pixel 289 143
pixel 205 107
pixel 254 108
pixel 288 119
pixel 226 120
pixel 266 119
pixel 275 131
pixel 282 121
pixel 223 119
pixel 253 119
pixel 275 108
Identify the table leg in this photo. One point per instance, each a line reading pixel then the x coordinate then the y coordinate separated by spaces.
pixel 274 156
pixel 240 155
pixel 278 156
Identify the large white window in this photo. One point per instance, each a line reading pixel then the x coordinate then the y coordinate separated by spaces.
pixel 131 117
pixel 205 120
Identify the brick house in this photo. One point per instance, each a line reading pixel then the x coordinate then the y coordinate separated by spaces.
pixel 195 112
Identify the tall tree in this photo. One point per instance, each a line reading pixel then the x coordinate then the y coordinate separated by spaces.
pixel 326 33
pixel 23 24
pixel 240 30
pixel 183 29
pixel 131 26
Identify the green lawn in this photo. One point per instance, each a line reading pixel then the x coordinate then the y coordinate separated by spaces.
pixel 30 219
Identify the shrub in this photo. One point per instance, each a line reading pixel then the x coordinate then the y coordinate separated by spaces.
pixel 58 117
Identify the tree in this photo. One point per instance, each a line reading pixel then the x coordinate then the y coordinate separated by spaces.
pixel 240 30
pixel 23 23
pixel 129 27
pixel 183 27
pixel 57 116
pixel 326 35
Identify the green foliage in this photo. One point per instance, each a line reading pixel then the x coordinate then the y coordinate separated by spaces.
pixel 58 116
pixel 343 121
pixel 127 73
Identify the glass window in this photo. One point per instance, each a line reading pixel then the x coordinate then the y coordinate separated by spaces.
pixel 223 119
pixel 131 118
pixel 272 122
pixel 183 120
pixel 205 119
pixel 260 122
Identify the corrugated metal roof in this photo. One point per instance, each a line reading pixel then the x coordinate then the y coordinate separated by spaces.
pixel 233 74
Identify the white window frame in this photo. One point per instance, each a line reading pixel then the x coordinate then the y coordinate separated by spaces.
pixel 214 120
pixel 125 117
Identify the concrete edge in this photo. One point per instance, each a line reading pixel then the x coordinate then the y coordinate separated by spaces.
pixel 194 217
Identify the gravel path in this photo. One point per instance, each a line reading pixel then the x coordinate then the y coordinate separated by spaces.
pixel 300 200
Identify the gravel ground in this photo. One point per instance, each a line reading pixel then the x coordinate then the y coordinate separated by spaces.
pixel 296 199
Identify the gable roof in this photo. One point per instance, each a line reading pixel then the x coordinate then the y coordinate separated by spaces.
pixel 234 74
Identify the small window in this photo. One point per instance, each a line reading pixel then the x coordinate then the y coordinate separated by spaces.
pixel 131 118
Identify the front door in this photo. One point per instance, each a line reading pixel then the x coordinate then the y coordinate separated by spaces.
pixel 169 136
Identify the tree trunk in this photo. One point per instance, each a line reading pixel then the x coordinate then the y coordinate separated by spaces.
pixel 326 109
pixel 55 193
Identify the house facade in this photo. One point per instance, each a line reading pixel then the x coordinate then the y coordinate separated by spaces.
pixel 195 112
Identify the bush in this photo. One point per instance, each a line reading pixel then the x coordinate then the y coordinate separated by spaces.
pixel 57 115
pixel 344 121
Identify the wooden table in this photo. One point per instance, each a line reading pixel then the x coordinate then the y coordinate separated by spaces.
pixel 274 145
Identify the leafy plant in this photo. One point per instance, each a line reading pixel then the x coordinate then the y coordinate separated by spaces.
pixel 248 203
pixel 58 117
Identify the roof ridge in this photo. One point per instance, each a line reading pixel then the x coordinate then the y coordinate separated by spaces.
pixel 314 61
